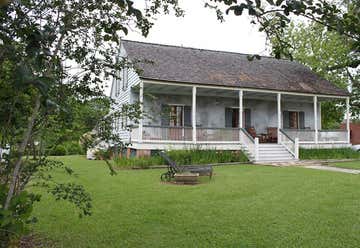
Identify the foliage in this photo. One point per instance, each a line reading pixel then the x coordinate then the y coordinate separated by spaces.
pixel 54 59
pixel 184 157
pixel 336 153
pixel 14 220
pixel 198 156
pixel 74 148
pixel 242 206
pixel 103 154
pixel 274 16
pixel 59 150
pixel 319 49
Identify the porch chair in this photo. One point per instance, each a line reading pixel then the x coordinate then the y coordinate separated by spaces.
pixel 173 168
pixel 252 132
pixel 272 134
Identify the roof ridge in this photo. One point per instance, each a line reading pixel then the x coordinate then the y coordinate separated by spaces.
pixel 202 49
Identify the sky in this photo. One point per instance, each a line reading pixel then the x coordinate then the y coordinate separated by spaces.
pixel 199 28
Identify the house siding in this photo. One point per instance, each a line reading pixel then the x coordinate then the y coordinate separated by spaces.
pixel 212 114
pixel 126 96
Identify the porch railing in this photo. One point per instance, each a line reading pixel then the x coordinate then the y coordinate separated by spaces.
pixel 323 136
pixel 332 136
pixel 167 133
pixel 250 143
pixel 304 135
pixel 292 145
pixel 209 134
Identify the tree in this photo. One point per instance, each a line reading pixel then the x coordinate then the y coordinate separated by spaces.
pixel 37 40
pixel 273 16
pixel 319 49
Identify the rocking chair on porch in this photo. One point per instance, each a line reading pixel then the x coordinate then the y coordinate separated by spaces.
pixel 173 168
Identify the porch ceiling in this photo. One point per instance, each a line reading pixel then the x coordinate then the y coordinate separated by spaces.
pixel 153 88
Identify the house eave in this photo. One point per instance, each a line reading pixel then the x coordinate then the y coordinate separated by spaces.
pixel 255 89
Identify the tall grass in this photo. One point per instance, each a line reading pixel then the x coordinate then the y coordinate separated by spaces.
pixel 185 157
pixel 339 153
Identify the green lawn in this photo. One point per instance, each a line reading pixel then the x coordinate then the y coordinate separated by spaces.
pixel 349 165
pixel 243 206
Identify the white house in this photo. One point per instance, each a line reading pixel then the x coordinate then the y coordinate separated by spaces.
pixel 221 100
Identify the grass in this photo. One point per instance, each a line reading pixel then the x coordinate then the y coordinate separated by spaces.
pixel 338 153
pixel 348 165
pixel 243 206
pixel 185 157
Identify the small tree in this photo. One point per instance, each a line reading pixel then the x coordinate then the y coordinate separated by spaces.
pixel 37 40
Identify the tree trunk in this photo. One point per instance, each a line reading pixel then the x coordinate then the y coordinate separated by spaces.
pixel 22 148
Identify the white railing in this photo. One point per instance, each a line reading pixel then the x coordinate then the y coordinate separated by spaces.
pixel 323 136
pixel 251 144
pixel 292 145
pixel 304 135
pixel 167 133
pixel 209 134
pixel 332 136
pixel 134 133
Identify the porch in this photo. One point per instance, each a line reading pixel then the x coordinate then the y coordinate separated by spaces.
pixel 182 115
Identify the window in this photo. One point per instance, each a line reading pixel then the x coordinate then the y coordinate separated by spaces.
pixel 117 85
pixel 176 115
pixel 232 118
pixel 294 119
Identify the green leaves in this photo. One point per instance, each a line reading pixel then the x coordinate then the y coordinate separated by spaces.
pixel 254 56
pixel 75 194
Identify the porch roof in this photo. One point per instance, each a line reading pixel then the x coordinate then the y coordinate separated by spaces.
pixel 199 66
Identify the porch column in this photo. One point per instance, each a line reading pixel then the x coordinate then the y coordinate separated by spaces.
pixel 348 118
pixel 241 110
pixel 316 120
pixel 141 100
pixel 193 114
pixel 279 116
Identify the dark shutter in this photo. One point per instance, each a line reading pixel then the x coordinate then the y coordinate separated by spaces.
pixel 302 120
pixel 247 118
pixel 228 117
pixel 286 119
pixel 187 116
pixel 165 115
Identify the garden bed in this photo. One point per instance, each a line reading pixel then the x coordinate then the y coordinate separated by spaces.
pixel 184 157
pixel 338 153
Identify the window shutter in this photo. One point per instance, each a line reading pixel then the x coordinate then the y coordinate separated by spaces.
pixel 187 116
pixel 302 120
pixel 228 117
pixel 125 79
pixel 165 115
pixel 286 119
pixel 247 118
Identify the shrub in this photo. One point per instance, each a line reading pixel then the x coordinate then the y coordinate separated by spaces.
pixel 59 150
pixel 103 154
pixel 338 153
pixel 74 148
pixel 185 157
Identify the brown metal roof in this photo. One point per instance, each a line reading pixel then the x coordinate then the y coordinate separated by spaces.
pixel 199 66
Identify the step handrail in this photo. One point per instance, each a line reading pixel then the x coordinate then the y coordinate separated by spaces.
pixel 252 145
pixel 283 132
pixel 293 148
pixel 247 134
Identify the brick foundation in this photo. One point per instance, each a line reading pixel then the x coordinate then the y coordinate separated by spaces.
pixel 143 153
